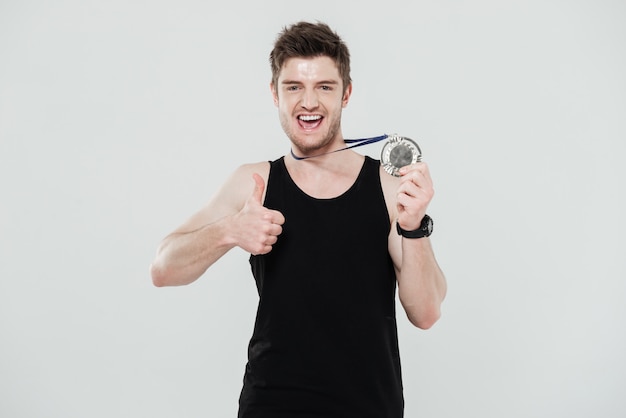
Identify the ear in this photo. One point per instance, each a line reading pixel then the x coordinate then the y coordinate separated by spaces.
pixel 274 94
pixel 346 96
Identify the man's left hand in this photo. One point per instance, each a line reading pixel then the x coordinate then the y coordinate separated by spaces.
pixel 414 194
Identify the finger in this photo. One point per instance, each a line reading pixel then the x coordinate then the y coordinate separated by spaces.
pixel 417 178
pixel 259 188
pixel 264 250
pixel 278 218
pixel 411 190
pixel 411 185
pixel 407 200
pixel 277 230
pixel 420 167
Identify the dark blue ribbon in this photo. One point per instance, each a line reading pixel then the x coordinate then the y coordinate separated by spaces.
pixel 355 143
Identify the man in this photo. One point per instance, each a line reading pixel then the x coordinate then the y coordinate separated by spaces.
pixel 326 254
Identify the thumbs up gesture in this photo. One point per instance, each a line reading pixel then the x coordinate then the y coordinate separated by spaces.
pixel 258 226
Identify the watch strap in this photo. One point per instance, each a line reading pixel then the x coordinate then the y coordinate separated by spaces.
pixel 424 230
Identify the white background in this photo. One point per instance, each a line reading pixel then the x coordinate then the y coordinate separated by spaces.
pixel 119 119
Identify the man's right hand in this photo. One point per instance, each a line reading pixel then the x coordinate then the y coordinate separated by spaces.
pixel 257 227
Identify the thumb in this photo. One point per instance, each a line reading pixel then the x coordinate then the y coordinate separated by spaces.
pixel 259 188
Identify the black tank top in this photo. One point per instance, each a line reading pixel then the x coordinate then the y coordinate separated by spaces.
pixel 325 340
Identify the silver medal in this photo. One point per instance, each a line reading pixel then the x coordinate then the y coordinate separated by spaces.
pixel 397 152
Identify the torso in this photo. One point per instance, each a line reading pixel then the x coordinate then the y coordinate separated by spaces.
pixel 325 335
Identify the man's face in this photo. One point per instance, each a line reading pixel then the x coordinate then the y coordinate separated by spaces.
pixel 309 96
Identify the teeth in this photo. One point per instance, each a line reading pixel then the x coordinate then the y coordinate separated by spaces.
pixel 309 118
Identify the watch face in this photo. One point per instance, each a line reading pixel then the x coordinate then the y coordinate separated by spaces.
pixel 429 226
pixel 397 152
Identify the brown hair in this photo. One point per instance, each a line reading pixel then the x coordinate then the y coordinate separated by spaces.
pixel 308 40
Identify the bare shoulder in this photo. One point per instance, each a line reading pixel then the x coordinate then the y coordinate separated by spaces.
pixel 390 186
pixel 230 197
pixel 241 183
pixel 235 191
pixel 244 172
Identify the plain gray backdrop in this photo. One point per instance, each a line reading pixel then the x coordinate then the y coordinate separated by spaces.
pixel 119 119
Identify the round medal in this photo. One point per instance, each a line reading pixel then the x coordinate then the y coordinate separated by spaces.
pixel 397 152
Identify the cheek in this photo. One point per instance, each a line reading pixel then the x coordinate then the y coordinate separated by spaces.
pixel 285 104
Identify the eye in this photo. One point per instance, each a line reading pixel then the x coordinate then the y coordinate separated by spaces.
pixel 293 88
pixel 326 88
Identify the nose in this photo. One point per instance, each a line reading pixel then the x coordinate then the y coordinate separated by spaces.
pixel 309 99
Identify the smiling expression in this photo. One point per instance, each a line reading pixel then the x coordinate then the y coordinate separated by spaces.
pixel 310 97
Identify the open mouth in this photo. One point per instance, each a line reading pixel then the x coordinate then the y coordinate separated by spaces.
pixel 310 121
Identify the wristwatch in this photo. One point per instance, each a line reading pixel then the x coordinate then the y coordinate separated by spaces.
pixel 424 230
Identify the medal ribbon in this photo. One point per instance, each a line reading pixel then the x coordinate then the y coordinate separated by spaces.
pixel 355 143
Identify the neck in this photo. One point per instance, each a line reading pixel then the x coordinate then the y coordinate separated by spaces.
pixel 354 143
pixel 328 175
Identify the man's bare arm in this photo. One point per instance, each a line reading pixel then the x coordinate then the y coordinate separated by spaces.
pixel 235 216
pixel 421 283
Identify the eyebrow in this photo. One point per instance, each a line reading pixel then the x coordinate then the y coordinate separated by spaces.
pixel 291 82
